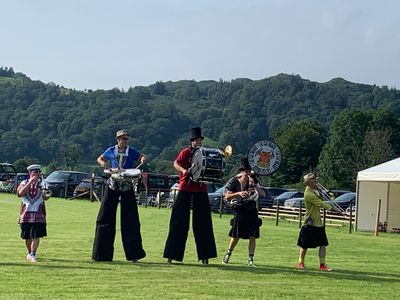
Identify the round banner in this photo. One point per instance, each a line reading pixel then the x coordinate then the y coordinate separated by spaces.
pixel 264 157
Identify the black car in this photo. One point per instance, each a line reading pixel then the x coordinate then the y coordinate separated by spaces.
pixel 85 185
pixel 58 180
pixel 215 198
pixel 345 200
pixel 7 171
pixel 270 194
pixel 7 177
pixel 287 195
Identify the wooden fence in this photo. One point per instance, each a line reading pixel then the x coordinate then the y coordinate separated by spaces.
pixel 297 214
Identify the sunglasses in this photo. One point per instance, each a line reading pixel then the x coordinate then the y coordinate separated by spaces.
pixel 36 171
pixel 125 139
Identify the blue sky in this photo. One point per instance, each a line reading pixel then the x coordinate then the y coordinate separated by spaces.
pixel 90 44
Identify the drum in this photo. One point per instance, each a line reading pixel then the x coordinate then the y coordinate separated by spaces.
pixel 124 173
pixel 131 173
pixel 208 165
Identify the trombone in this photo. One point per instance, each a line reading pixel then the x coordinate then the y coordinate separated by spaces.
pixel 330 197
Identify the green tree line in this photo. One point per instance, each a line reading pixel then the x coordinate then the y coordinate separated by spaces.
pixel 334 128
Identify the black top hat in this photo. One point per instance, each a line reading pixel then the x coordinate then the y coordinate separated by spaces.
pixel 195 133
pixel 244 164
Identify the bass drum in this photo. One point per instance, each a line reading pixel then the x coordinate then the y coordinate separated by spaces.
pixel 208 165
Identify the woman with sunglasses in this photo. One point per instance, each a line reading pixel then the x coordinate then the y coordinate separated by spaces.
pixel 32 216
pixel 124 157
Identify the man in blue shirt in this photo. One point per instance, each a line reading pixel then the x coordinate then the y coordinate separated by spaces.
pixel 120 156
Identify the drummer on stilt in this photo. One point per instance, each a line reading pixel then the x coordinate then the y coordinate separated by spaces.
pixel 123 157
pixel 195 194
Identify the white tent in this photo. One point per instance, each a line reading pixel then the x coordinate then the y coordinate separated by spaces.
pixel 379 182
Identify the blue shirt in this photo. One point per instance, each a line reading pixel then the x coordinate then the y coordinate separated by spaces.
pixel 129 156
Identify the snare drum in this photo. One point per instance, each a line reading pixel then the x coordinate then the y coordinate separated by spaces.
pixel 124 173
pixel 208 165
pixel 131 173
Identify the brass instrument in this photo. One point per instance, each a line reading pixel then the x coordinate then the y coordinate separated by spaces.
pixel 330 197
pixel 45 188
pixel 228 151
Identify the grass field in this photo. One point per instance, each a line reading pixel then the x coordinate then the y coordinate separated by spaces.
pixel 365 267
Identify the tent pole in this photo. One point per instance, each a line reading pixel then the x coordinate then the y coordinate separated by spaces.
pixel 378 212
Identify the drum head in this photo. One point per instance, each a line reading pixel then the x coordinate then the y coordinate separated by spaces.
pixel 134 173
pixel 197 164
pixel 113 171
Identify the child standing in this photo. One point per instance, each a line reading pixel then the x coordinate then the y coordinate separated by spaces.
pixel 32 216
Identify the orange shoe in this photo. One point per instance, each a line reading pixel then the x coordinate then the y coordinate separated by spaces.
pixel 324 267
pixel 300 266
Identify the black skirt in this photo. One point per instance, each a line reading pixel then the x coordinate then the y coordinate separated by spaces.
pixel 33 230
pixel 312 237
pixel 245 223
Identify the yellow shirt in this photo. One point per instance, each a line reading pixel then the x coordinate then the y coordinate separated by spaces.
pixel 313 203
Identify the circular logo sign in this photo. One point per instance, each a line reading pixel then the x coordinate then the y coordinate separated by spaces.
pixel 264 157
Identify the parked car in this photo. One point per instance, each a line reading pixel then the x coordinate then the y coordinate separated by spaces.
pixel 7 171
pixel 295 202
pixel 7 175
pixel 287 195
pixel 211 188
pixel 16 180
pixel 345 200
pixel 270 194
pixel 353 211
pixel 57 180
pixel 151 183
pixel 85 186
pixel 215 198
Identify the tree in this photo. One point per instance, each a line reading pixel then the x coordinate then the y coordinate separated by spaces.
pixel 71 155
pixel 159 88
pixel 375 150
pixel 22 163
pixel 301 143
pixel 338 167
pixel 359 139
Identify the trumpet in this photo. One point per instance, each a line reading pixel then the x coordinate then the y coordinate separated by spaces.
pixel 329 196
pixel 45 188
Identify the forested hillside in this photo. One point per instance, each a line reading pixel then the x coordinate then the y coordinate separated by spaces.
pixel 45 121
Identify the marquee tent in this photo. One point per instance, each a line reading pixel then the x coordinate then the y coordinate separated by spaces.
pixel 379 182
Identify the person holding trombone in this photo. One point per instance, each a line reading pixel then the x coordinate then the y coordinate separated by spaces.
pixel 312 233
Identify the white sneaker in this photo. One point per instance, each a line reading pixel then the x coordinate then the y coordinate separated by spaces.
pixel 250 263
pixel 226 258
pixel 31 258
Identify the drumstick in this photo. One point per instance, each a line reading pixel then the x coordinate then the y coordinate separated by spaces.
pixel 139 165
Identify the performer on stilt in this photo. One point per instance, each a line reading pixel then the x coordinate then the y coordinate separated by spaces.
pixel 124 157
pixel 195 194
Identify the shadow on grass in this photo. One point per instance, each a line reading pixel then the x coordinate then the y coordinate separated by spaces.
pixel 48 263
pixel 341 274
pixel 336 274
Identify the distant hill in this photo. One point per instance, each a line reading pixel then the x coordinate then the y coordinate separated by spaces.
pixel 40 120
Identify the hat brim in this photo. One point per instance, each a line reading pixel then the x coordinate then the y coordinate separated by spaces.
pixel 197 137
pixel 244 169
pixel 309 179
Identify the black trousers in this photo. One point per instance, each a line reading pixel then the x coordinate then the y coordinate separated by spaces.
pixel 103 246
pixel 179 227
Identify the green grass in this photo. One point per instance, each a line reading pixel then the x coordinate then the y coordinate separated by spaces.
pixel 366 267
